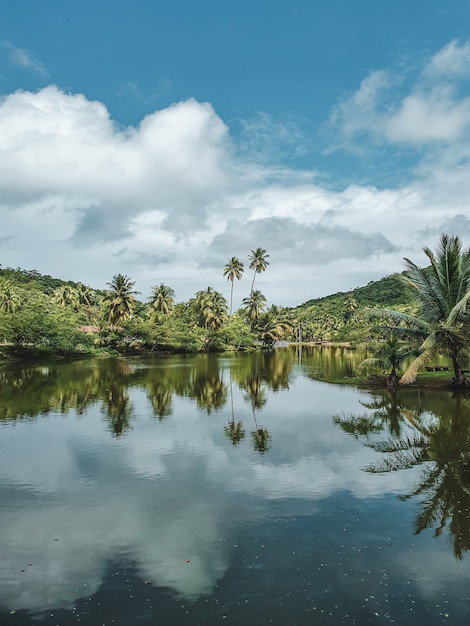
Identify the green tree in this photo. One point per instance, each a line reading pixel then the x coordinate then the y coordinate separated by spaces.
pixel 233 269
pixel 258 263
pixel 9 298
pixel 119 301
pixel 254 305
pixel 66 295
pixel 162 299
pixel 443 322
pixel 389 356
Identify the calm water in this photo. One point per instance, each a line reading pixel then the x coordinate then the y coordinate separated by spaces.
pixel 230 489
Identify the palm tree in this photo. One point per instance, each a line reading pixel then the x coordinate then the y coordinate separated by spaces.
pixel 389 356
pixel 258 263
pixel 211 308
pixel 9 298
pixel 443 325
pixel 270 326
pixel 65 295
pixel 85 295
pixel 119 302
pixel 233 269
pixel 162 299
pixel 254 305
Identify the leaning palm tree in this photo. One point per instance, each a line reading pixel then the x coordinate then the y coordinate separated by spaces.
pixel 119 301
pixel 162 299
pixel 233 269
pixel 258 263
pixel 443 324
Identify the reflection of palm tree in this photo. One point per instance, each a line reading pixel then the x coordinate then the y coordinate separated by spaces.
pixel 261 437
pixel 443 443
pixel 234 431
pixel 233 269
pixel 161 398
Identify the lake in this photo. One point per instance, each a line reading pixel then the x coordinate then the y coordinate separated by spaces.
pixel 214 489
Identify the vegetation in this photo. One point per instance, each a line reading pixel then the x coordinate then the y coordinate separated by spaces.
pixel 422 312
pixel 442 324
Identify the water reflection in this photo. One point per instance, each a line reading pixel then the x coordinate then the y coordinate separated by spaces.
pixel 431 430
pixel 226 485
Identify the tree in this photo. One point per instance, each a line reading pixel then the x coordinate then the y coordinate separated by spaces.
pixel 66 295
pixel 389 356
pixel 119 302
pixel 162 299
pixel 258 263
pixel 270 326
pixel 9 298
pixel 254 305
pixel 85 295
pixel 233 269
pixel 443 322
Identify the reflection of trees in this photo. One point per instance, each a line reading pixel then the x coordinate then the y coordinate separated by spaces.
pixel 438 439
pixel 387 413
pixel 117 408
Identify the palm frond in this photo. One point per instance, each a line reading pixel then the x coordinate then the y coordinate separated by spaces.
pixel 410 375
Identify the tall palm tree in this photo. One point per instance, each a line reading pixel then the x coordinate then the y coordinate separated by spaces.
pixel 233 269
pixel 258 263
pixel 443 324
pixel 119 302
pixel 162 299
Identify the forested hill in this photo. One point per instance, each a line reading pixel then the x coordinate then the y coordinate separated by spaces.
pixel 389 292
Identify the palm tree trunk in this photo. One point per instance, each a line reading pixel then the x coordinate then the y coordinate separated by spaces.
pixel 459 378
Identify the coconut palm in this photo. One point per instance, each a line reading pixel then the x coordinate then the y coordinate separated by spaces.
pixel 119 301
pixel 258 263
pixel 270 326
pixel 9 298
pixel 162 299
pixel 254 305
pixel 211 308
pixel 389 356
pixel 233 269
pixel 443 324
pixel 65 295
pixel 85 295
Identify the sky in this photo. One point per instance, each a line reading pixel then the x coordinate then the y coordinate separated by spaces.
pixel 158 139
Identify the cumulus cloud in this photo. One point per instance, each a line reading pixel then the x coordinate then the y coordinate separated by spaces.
pixel 173 197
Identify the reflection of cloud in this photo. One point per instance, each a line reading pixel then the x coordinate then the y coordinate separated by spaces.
pixel 165 493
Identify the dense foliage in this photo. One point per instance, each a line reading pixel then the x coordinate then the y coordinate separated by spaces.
pixel 40 314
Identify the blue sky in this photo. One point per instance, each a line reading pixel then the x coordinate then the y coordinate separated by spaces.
pixel 157 139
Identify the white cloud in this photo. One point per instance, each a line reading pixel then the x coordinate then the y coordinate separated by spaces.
pixel 170 199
